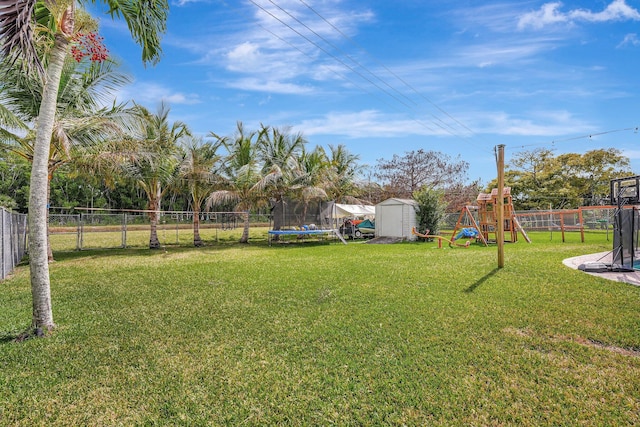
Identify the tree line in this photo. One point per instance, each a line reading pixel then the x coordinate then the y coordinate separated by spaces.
pixel 540 179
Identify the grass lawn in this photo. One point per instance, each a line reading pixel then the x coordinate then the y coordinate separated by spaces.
pixel 322 334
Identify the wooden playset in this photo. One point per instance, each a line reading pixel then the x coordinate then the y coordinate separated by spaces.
pixel 486 223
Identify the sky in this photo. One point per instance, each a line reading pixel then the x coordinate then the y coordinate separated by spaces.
pixel 385 78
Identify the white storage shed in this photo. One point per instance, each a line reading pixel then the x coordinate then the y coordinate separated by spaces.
pixel 396 218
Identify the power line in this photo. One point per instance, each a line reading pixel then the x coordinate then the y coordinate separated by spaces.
pixel 361 66
pixel 358 63
pixel 342 76
pixel 575 138
pixel 328 53
pixel 388 70
pixel 343 52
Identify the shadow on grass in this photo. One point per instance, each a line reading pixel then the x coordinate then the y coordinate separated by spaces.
pixel 6 337
pixel 138 251
pixel 481 280
pixel 16 337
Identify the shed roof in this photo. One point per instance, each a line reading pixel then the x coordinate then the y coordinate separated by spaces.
pixel 397 201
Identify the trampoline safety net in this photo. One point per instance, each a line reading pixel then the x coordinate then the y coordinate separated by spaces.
pixel 294 214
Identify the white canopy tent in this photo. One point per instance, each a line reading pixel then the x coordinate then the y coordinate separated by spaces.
pixel 352 211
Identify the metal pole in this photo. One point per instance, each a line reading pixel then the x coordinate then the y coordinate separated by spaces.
pixel 500 213
pixel 124 230
pixel 80 239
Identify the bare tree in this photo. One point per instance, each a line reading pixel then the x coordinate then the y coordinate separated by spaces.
pixel 459 195
pixel 402 176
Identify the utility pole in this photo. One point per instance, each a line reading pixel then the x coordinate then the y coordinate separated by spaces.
pixel 500 213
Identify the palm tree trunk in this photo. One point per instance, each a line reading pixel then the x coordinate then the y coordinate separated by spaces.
pixel 245 232
pixel 49 250
pixel 154 206
pixel 38 261
pixel 154 243
pixel 197 241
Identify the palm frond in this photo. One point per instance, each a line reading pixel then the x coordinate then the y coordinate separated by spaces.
pixel 222 197
pixel 16 32
pixel 146 20
pixel 8 120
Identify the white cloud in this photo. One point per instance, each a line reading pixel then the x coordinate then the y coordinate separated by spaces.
pixel 284 46
pixel 244 57
pixel 550 13
pixel 495 17
pixel 503 51
pixel 535 123
pixel 289 19
pixel 185 2
pixel 265 101
pixel 149 94
pixel 630 39
pixel 264 63
pixel 269 86
pixel 618 10
pixel 369 124
pixel 377 124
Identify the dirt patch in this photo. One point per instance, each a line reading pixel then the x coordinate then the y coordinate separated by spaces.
pixel 633 352
pixel 612 348
pixel 385 240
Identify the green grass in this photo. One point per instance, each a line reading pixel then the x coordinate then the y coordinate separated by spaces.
pixel 321 334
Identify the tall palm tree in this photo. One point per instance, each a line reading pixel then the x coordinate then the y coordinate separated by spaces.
pixel 154 165
pixel 146 20
pixel 80 120
pixel 240 174
pixel 198 173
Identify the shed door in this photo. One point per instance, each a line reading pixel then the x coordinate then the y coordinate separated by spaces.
pixel 389 221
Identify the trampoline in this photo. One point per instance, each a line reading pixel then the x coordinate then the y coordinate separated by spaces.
pixel 289 216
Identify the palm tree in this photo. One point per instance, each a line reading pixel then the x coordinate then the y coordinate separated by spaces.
pixel 240 174
pixel 197 172
pixel 154 165
pixel 56 18
pixel 80 121
pixel 341 185
pixel 279 151
pixel 277 147
pixel 311 177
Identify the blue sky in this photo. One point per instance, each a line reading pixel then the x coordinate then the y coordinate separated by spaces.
pixel 384 78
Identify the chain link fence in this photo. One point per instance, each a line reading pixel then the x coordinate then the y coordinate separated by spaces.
pixel 588 217
pixel 13 245
pixel 132 229
pixel 68 232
